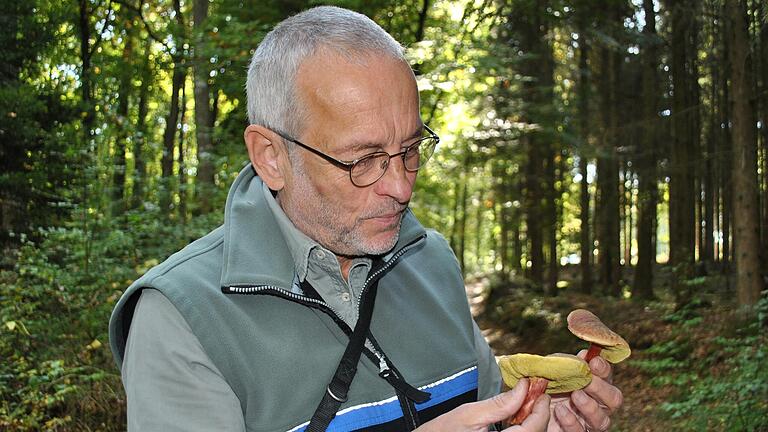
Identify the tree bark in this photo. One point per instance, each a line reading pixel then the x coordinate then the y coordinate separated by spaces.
pixel 530 21
pixel 183 195
pixel 745 188
pixel 462 231
pixel 708 178
pixel 585 238
pixel 479 211
pixel 681 186
pixel 726 147
pixel 139 168
pixel 419 34
pixel 171 122
pixel 178 78
pixel 121 137
pixel 763 40
pixel 647 196
pixel 607 207
pixel 203 113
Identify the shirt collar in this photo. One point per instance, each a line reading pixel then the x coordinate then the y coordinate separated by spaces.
pixel 299 244
pixel 262 246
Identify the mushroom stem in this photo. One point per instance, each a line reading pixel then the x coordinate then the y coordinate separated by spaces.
pixel 536 388
pixel 594 351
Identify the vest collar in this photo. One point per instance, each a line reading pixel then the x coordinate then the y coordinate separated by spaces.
pixel 255 252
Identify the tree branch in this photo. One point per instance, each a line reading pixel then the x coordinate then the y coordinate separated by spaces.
pixel 138 11
pixel 107 22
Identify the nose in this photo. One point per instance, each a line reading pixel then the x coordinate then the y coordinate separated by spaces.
pixel 397 182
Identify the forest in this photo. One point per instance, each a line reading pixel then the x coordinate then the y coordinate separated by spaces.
pixel 607 155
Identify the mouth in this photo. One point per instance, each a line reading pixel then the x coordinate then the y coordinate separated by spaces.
pixel 388 220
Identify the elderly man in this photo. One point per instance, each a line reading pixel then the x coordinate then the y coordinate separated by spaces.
pixel 321 303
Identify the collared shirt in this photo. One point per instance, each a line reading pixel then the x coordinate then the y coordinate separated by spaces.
pixel 172 385
pixel 321 268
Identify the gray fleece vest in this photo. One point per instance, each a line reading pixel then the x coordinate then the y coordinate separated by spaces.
pixel 278 355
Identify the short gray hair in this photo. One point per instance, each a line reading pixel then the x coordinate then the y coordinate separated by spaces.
pixel 270 87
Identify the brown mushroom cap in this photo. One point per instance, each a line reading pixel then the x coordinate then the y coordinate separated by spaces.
pixel 585 325
pixel 564 372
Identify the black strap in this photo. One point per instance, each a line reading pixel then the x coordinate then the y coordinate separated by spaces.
pixel 336 392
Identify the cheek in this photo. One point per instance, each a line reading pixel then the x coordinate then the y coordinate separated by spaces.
pixel 343 196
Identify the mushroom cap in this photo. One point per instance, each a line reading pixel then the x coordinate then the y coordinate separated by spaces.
pixel 587 326
pixel 564 372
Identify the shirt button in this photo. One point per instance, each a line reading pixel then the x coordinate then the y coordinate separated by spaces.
pixel 345 296
pixel 320 255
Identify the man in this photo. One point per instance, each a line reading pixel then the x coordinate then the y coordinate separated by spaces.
pixel 268 322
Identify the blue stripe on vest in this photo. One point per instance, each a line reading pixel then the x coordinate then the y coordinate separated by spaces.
pixel 374 413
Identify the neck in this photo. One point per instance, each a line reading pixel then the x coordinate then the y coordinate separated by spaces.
pixel 346 264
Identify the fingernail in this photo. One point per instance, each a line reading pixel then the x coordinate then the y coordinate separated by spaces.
pixel 600 363
pixel 580 396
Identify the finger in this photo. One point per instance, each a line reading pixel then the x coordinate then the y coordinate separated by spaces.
pixel 565 420
pixel 501 406
pixel 593 414
pixel 605 394
pixel 477 416
pixel 538 419
pixel 601 368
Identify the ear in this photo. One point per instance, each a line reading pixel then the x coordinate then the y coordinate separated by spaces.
pixel 265 150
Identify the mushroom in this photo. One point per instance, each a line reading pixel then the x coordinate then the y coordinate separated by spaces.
pixel 603 341
pixel 555 373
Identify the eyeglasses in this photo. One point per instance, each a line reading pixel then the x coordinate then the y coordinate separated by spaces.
pixel 368 169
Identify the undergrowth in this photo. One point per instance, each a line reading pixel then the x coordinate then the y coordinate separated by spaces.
pixel 56 370
pixel 720 379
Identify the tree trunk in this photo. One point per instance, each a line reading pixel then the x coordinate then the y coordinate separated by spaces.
pixel 530 21
pixel 534 213
pixel 726 147
pixel 585 239
pixel 462 231
pixel 171 122
pixel 555 177
pixel 419 34
pixel 746 235
pixel 608 177
pixel 203 114
pixel 647 195
pixel 708 178
pixel 183 195
pixel 89 115
pixel 681 186
pixel 763 39
pixel 453 240
pixel 500 192
pixel 121 137
pixel 479 229
pixel 139 168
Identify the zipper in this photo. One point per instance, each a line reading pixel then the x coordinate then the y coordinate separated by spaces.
pixel 291 296
pixel 319 304
pixel 373 350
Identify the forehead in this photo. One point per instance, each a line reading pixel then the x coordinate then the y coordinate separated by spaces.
pixel 374 98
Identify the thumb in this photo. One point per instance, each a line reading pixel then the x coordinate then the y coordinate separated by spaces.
pixel 503 405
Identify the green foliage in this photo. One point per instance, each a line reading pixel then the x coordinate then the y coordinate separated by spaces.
pixel 57 372
pixel 726 387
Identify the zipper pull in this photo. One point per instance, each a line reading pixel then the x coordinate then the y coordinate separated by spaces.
pixel 403 387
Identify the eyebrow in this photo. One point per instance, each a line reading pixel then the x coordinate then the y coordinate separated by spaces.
pixel 360 146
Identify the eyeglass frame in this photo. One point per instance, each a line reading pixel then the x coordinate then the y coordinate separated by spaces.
pixel 349 165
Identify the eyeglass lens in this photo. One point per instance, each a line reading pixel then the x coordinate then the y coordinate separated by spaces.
pixel 369 169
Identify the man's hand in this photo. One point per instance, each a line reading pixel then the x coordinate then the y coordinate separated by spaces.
pixel 478 416
pixel 588 409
